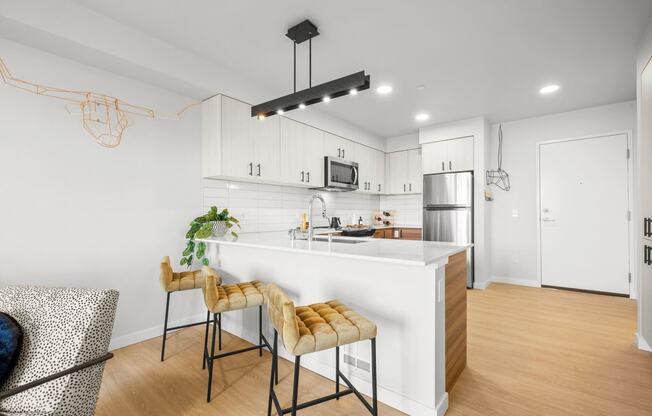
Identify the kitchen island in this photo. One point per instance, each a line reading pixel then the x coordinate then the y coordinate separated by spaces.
pixel 400 285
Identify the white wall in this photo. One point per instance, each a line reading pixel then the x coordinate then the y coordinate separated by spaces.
pixel 77 214
pixel 514 239
pixel 404 142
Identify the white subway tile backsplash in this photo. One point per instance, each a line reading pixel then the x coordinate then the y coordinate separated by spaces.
pixel 261 207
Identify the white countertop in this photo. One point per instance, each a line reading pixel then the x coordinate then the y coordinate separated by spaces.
pixel 416 253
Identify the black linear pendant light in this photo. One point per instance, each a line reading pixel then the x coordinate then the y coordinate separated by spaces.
pixel 349 84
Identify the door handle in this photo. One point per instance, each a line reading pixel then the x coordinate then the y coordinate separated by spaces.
pixel 442 166
pixel 343 154
pixel 251 169
pixel 403 187
pixel 647 229
pixel 258 166
pixel 303 176
pixel 339 152
pixel 378 187
pixel 450 165
pixel 308 177
pixel 646 255
pixel 410 187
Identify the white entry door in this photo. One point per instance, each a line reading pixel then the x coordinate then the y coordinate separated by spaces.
pixel 584 207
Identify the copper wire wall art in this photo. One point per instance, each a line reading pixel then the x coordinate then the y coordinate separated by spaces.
pixel 104 117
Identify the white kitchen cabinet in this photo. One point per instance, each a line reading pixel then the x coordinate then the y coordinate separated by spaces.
pixel 366 158
pixel 266 138
pixel 302 157
pixel 337 146
pixel 237 146
pixel 415 173
pixel 405 174
pixel 379 185
pixel 448 156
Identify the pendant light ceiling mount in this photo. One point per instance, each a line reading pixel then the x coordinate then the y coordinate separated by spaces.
pixel 350 84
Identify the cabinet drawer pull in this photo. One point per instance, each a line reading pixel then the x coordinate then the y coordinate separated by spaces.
pixel 378 187
pixel 410 187
pixel 442 166
pixel 258 167
pixel 303 176
pixel 339 152
pixel 647 227
pixel 403 187
pixel 646 255
pixel 251 169
pixel 450 165
pixel 343 154
pixel 308 177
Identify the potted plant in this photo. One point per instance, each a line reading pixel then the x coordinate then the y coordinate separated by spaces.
pixel 213 223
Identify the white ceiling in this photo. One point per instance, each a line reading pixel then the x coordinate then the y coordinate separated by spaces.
pixel 475 57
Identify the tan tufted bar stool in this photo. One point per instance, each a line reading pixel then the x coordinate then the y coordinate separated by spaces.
pixel 175 282
pixel 313 328
pixel 226 298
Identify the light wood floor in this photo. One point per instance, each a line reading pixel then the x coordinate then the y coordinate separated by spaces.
pixel 539 352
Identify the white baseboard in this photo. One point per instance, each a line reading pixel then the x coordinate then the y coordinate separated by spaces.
pixel 151 332
pixel 481 285
pixel 642 343
pixel 513 281
pixel 442 406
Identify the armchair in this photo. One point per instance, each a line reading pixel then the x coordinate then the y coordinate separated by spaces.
pixel 66 339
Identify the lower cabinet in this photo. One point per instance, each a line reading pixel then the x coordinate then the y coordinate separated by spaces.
pixel 399 233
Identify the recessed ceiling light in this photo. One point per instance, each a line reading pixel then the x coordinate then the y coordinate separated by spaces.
pixel 302 106
pixel 353 91
pixel 421 87
pixel 549 89
pixel 384 89
pixel 422 117
pixel 326 99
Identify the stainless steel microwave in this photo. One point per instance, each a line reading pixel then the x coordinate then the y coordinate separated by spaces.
pixel 340 174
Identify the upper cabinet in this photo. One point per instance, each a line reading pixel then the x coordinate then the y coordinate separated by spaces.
pixel 337 146
pixel 277 149
pixel 302 158
pixel 404 172
pixel 448 156
pixel 235 145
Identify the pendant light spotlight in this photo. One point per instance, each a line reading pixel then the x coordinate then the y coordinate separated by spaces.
pixel 350 84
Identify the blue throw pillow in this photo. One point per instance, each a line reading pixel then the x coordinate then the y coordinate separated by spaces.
pixel 11 339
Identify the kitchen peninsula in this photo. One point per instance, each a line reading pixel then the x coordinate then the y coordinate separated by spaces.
pixel 415 291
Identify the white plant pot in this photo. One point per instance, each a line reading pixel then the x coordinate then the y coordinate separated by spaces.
pixel 219 228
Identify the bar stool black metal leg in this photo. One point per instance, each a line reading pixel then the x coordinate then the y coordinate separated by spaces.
pixel 337 371
pixel 273 375
pixel 220 331
pixel 295 387
pixel 165 326
pixel 374 384
pixel 275 358
pixel 208 319
pixel 210 360
pixel 260 330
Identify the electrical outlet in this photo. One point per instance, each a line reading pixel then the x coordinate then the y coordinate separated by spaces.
pixel 349 359
pixel 363 365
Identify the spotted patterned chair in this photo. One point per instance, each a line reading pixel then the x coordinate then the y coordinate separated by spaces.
pixel 66 339
pixel 318 327
pixel 226 298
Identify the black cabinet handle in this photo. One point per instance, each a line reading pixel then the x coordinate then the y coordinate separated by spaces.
pixel 308 177
pixel 647 258
pixel 647 227
pixel 258 166
pixel 251 169
pixel 442 166
pixel 303 176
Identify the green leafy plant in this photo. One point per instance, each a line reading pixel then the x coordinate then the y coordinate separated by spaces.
pixel 202 227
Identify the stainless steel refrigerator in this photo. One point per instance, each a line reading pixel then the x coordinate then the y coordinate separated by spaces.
pixel 448 211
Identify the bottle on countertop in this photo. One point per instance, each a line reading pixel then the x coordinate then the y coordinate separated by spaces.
pixel 360 221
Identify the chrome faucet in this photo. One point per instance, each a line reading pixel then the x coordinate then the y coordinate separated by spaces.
pixel 323 214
